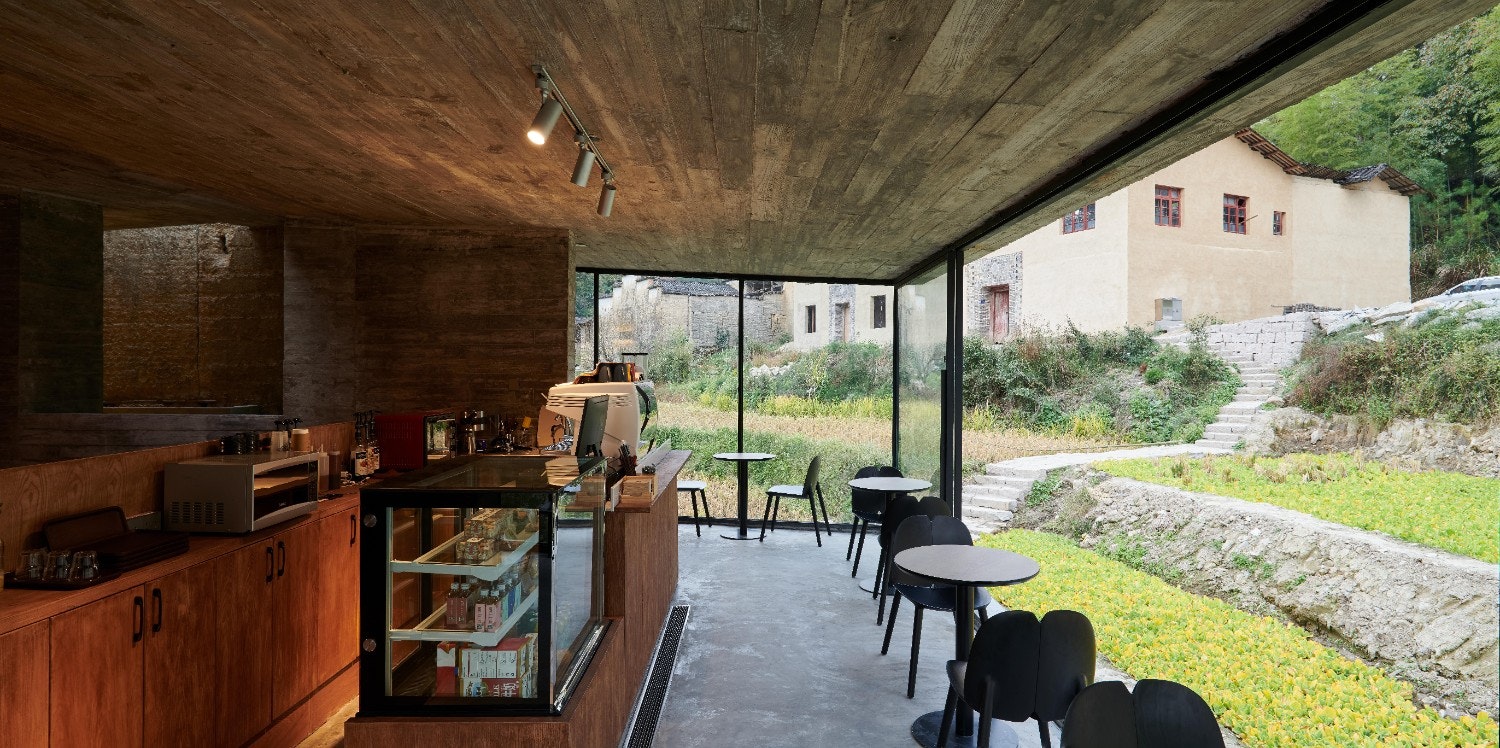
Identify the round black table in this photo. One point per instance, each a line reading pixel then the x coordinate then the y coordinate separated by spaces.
pixel 743 459
pixel 891 487
pixel 965 567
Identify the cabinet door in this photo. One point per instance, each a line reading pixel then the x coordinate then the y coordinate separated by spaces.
pixel 246 638
pixel 97 662
pixel 295 674
pixel 23 687
pixel 338 613
pixel 181 662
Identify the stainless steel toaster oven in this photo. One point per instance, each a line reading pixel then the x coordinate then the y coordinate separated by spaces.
pixel 240 493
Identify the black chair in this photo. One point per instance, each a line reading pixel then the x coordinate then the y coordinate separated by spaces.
pixel 896 512
pixel 934 506
pixel 866 506
pixel 916 532
pixel 809 490
pixel 695 489
pixel 999 678
pixel 1063 668
pixel 1159 713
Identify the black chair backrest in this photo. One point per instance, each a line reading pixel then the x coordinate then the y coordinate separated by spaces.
pixel 812 476
pixel 1101 716
pixel 950 531
pixel 896 513
pixel 1159 713
pixel 864 500
pixel 1171 714
pixel 934 506
pixel 1003 661
pixel 1067 661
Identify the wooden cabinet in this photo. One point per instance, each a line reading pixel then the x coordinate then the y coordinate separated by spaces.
pixel 294 670
pixel 246 638
pixel 23 687
pixel 338 625
pixel 181 672
pixel 96 671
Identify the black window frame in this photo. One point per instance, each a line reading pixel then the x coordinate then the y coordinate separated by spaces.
pixel 877 312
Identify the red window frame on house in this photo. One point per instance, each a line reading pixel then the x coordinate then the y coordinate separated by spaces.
pixel 1168 206
pixel 1079 220
pixel 1235 209
pixel 1278 223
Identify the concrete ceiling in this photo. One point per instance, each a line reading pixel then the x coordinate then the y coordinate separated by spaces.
pixel 843 139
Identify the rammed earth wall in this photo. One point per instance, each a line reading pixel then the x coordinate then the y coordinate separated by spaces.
pixel 1428 616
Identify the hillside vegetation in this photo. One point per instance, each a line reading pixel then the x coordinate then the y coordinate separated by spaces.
pixel 1119 384
pixel 1446 365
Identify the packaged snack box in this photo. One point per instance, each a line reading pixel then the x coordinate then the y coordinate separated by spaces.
pixel 447 669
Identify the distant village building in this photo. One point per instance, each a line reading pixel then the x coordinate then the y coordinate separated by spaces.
pixel 823 313
pixel 1238 230
pixel 645 312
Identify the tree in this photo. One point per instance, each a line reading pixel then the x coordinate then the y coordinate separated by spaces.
pixel 1433 112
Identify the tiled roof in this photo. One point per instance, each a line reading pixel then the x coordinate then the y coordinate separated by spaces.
pixel 1392 177
pixel 689 287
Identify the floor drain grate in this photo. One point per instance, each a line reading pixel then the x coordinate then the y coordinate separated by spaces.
pixel 654 694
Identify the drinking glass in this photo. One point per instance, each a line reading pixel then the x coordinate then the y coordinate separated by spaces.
pixel 85 566
pixel 33 564
pixel 58 565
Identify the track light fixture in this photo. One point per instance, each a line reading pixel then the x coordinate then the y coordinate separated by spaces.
pixel 585 163
pixel 607 195
pixel 553 106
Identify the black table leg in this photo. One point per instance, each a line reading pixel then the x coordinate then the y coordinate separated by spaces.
pixel 744 500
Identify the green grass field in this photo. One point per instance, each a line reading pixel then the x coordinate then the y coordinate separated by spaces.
pixel 1449 511
pixel 1266 680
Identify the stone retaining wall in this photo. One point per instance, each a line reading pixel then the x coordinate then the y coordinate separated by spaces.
pixel 1274 341
pixel 1428 616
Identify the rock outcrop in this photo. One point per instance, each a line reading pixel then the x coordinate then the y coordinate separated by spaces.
pixel 1422 443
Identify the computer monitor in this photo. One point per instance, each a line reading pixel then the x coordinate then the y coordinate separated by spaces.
pixel 590 439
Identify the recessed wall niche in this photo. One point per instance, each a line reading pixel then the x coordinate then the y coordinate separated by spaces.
pixel 193 319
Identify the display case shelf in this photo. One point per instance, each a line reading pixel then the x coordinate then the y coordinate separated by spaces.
pixel 431 629
pixel 489 570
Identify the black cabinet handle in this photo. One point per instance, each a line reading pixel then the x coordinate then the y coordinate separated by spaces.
pixel 156 598
pixel 353 528
pixel 140 620
pixel 281 568
pixel 270 564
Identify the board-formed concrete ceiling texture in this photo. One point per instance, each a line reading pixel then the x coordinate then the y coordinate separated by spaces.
pixel 843 138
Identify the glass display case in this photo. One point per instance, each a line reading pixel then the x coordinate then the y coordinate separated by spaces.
pixel 481 589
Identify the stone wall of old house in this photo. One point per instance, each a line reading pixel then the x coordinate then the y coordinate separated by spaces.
pixel 639 316
pixel 982 275
pixel 194 314
pixel 462 319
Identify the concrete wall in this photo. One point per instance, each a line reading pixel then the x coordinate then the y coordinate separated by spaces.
pixel 319 323
pixel 462 319
pixel 1230 276
pixel 1079 277
pixel 1363 259
pixel 61 307
pixel 194 313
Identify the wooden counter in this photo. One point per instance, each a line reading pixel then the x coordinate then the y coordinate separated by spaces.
pixel 640 581
pixel 242 640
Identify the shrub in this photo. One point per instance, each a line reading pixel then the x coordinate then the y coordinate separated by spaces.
pixel 1450 511
pixel 1266 680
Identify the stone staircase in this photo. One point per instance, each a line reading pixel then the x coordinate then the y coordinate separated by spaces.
pixel 991 499
pixel 1259 384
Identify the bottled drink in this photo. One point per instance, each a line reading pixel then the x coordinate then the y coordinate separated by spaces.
pixel 454 607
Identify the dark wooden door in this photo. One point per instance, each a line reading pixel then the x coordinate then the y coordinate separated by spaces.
pixel 246 639
pixel 182 664
pixel 23 695
pixel 999 312
pixel 295 672
pixel 97 660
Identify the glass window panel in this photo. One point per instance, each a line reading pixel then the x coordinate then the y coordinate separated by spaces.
pixel 923 341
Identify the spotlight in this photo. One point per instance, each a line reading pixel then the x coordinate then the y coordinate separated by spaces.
pixel 585 162
pixel 607 197
pixel 546 119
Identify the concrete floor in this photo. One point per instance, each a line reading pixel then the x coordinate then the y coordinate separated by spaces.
pixel 781 649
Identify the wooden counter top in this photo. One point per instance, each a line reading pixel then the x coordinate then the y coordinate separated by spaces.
pixel 19 608
pixel 666 471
